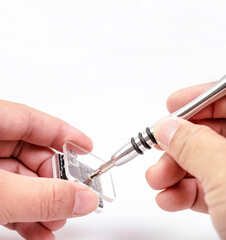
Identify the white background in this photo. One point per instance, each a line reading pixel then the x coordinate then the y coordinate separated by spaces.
pixel 107 67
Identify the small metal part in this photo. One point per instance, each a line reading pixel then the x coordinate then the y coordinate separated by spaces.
pixel 92 176
pixel 61 167
pixel 88 181
pixel 102 169
pixel 81 172
pixel 95 174
pixel 77 164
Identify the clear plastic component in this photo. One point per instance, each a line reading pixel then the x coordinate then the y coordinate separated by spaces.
pixel 76 164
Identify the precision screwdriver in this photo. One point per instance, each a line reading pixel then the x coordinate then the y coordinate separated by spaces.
pixel 146 140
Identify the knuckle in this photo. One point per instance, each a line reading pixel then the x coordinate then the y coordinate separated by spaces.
pixel 50 201
pixel 53 201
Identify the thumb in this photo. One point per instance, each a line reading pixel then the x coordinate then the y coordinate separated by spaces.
pixel 31 199
pixel 196 148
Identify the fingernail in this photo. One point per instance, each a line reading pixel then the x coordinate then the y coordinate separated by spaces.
pixel 85 202
pixel 164 131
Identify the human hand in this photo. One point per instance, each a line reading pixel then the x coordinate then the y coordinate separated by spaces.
pixel 192 172
pixel 31 202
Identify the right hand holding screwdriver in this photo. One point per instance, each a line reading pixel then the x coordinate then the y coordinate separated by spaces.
pixel 192 172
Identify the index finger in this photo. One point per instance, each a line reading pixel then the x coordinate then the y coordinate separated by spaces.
pixel 183 96
pixel 20 122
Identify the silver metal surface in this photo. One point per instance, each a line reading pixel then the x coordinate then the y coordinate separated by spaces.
pixel 123 155
pixel 215 92
pixel 127 152
pixel 102 169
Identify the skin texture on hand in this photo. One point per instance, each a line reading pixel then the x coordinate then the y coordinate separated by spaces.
pixel 32 203
pixel 192 172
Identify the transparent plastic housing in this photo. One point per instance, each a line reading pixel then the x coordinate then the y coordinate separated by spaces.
pixel 77 164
